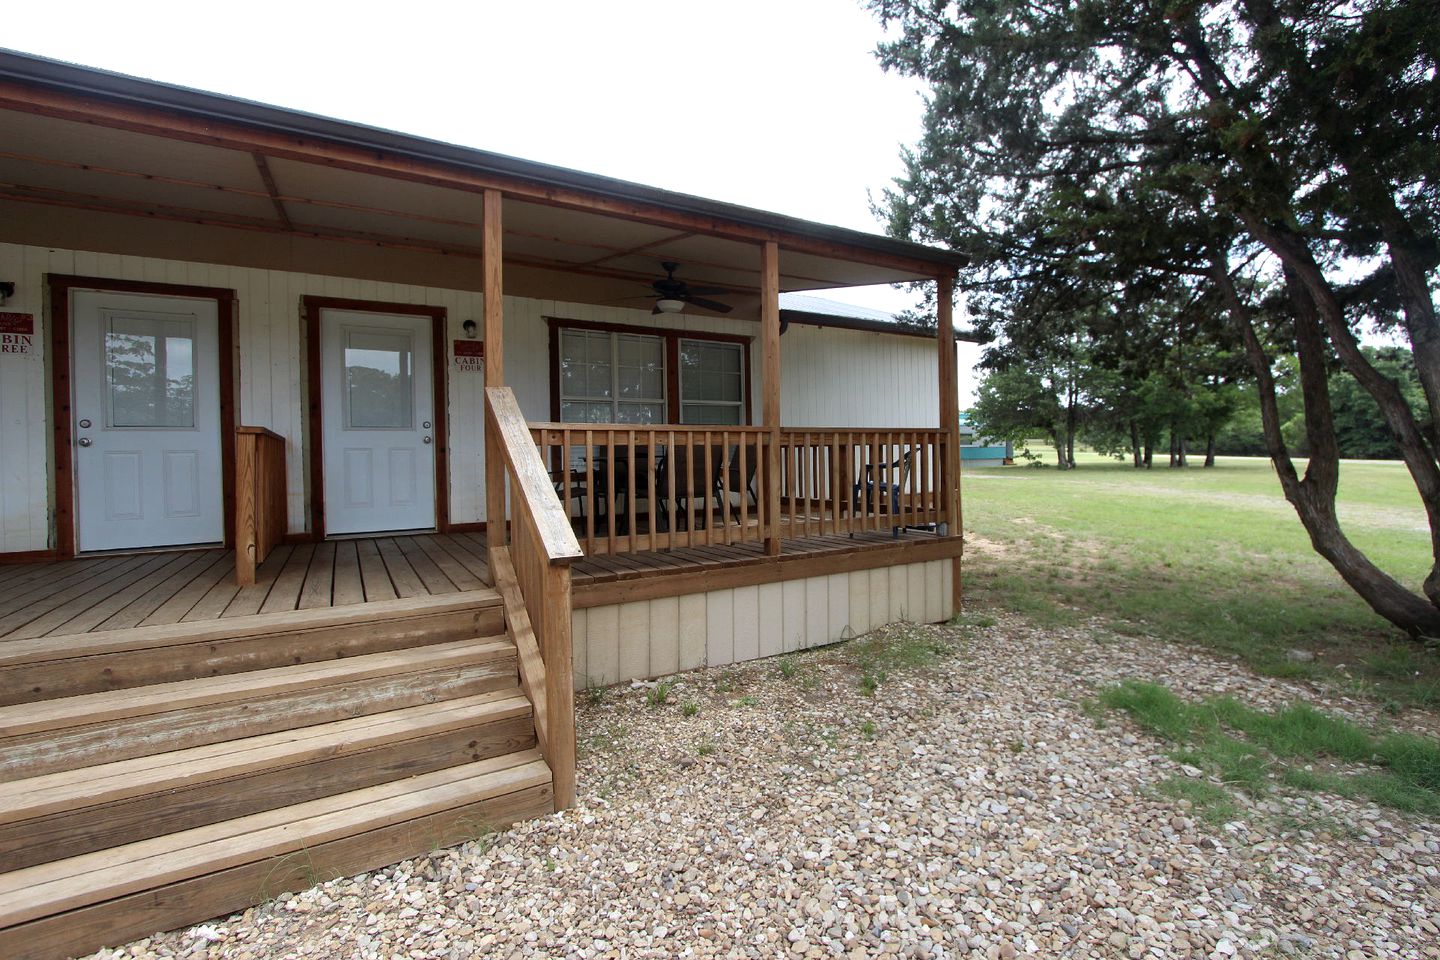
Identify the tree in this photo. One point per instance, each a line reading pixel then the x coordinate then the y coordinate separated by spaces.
pixel 1255 152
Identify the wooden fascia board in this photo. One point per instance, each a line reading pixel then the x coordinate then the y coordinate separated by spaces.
pixel 178 125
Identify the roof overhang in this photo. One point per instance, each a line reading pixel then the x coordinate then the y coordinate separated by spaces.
pixel 112 146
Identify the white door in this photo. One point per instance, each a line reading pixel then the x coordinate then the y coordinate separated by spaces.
pixel 377 414
pixel 146 411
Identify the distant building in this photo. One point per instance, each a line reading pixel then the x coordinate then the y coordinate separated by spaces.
pixel 977 451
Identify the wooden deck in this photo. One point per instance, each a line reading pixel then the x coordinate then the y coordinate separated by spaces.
pixel 114 592
pixel 186 586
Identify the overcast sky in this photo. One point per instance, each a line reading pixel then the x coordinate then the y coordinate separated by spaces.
pixel 778 105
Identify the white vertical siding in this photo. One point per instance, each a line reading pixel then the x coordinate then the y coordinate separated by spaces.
pixel 738 624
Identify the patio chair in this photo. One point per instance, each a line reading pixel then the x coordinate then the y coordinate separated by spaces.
pixel 874 473
pixel 745 486
pixel 618 499
pixel 678 460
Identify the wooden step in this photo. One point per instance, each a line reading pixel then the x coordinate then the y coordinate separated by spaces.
pixel 65 814
pixel 65 666
pixel 55 735
pixel 76 905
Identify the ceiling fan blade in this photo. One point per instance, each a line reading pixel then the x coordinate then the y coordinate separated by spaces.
pixel 707 291
pixel 715 305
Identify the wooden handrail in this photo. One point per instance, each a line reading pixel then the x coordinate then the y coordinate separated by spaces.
pixel 260 507
pixel 529 479
pixel 532 575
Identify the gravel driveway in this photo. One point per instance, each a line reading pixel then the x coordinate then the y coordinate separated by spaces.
pixel 968 808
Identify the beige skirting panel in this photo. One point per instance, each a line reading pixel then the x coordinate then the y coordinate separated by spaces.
pixel 652 638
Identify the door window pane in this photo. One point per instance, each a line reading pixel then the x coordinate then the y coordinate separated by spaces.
pixel 379 379
pixel 712 382
pixel 150 371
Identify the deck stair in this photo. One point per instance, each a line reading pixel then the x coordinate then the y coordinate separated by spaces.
pixel 264 754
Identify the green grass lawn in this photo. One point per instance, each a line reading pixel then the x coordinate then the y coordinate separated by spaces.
pixel 1209 556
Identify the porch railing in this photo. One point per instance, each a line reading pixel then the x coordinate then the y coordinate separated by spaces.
pixel 260 507
pixel 631 488
pixel 532 575
pixel 843 480
pixel 699 485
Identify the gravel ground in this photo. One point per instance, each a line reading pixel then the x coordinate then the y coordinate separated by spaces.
pixel 970 808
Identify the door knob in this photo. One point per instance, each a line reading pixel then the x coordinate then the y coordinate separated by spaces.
pixel 85 441
pixel 427 439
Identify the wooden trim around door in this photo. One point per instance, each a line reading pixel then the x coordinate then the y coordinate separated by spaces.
pixel 60 286
pixel 439 329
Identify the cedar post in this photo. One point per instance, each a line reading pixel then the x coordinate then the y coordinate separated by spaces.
pixel 950 420
pixel 494 364
pixel 770 381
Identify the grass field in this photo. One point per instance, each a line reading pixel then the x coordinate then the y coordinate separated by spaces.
pixel 1209 556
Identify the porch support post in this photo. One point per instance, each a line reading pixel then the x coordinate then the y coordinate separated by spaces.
pixel 492 276
pixel 770 382
pixel 950 420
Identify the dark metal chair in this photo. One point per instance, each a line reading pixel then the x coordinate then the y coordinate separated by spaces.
pixel 873 474
pixel 689 486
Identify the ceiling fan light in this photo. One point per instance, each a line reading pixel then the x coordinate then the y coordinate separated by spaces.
pixel 669 305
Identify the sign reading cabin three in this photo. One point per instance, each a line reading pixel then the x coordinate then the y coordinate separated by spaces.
pixel 146 409
pixel 377 413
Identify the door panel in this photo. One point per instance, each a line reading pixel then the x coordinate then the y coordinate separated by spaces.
pixel 377 414
pixel 148 468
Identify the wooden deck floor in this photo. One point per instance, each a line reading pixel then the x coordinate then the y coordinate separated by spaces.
pixel 114 592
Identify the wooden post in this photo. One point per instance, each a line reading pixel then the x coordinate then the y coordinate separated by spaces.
pixel 950 420
pixel 770 383
pixel 493 279
pixel 559 682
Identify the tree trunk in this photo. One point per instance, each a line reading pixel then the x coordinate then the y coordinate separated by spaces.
pixel 1072 395
pixel 1174 449
pixel 1210 449
pixel 1314 496
pixel 1182 461
pixel 1149 453
pixel 1135 444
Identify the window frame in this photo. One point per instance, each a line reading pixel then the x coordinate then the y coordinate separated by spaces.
pixel 615 400
pixel 744 385
pixel 671 339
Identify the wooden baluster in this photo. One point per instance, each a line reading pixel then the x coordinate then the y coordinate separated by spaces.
pixel 709 492
pixel 565 474
pixel 690 489
pixel 652 538
pixel 630 491
pixel 670 490
pixel 589 490
pixel 761 479
pixel 877 472
pixel 744 481
pixel 610 487
pixel 726 532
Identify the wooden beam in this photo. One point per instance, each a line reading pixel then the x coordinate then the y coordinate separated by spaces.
pixel 268 179
pixel 950 420
pixel 175 125
pixel 770 384
pixel 492 271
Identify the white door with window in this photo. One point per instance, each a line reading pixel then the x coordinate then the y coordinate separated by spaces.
pixel 377 415
pixel 146 421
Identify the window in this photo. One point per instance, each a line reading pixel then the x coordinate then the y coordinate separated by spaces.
pixel 379 379
pixel 614 374
pixel 611 377
pixel 150 369
pixel 712 382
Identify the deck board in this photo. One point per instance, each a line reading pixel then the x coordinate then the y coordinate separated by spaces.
pixel 111 592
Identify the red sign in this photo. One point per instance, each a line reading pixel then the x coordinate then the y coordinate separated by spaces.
pixel 17 323
pixel 470 355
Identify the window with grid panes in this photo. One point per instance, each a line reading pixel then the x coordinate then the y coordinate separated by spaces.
pixel 611 377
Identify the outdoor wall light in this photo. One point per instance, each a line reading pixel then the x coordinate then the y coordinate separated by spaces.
pixel 669 305
pixel 469 327
pixel 7 290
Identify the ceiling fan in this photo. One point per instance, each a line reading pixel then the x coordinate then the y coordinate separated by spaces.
pixel 672 295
